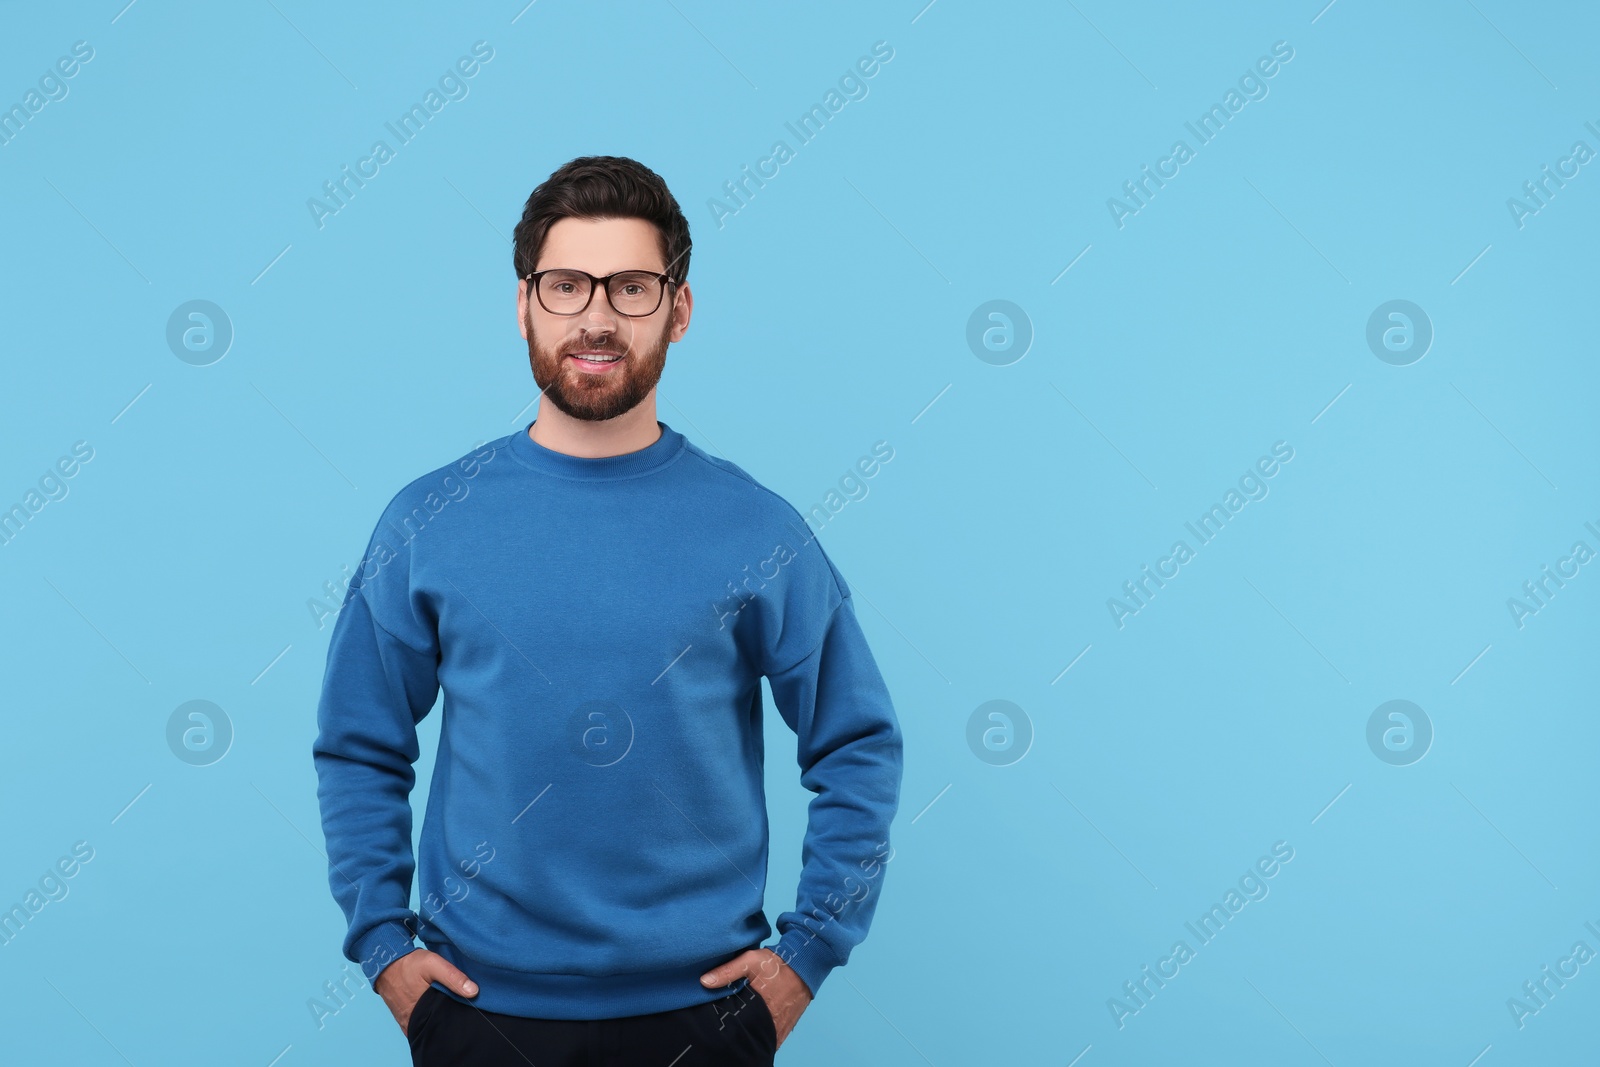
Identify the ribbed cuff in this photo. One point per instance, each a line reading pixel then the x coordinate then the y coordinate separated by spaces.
pixel 381 946
pixel 806 955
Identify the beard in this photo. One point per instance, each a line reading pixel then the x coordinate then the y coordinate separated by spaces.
pixel 596 397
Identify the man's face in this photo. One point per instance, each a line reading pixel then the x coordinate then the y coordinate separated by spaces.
pixel 597 391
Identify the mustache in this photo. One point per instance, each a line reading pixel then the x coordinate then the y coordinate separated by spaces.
pixel 608 346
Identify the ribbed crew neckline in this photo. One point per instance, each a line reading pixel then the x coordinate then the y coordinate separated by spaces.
pixel 653 456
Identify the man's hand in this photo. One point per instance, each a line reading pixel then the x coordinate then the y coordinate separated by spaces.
pixel 402 983
pixel 774 981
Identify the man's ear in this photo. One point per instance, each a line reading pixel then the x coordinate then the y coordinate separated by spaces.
pixel 682 308
pixel 522 307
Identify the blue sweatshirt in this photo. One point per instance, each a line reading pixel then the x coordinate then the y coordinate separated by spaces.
pixel 596 829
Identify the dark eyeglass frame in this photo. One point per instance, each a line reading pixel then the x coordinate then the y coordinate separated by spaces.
pixel 595 282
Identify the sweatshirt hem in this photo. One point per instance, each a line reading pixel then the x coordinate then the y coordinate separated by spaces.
pixel 542 995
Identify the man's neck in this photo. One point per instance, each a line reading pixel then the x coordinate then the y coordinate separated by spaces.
pixel 628 432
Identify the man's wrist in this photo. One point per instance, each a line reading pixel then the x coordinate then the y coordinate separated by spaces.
pixel 808 956
pixel 381 946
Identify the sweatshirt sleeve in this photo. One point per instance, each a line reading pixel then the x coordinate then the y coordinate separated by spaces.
pixel 849 751
pixel 381 679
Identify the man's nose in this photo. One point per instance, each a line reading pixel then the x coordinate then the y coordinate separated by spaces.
pixel 600 309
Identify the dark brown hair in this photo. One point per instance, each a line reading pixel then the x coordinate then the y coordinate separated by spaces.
pixel 603 187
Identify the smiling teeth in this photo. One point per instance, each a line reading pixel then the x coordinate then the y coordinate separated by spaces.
pixel 597 359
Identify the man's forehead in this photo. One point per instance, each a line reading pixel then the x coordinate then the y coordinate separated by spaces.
pixel 601 246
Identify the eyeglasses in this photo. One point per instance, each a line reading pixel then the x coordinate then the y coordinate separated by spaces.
pixel 634 293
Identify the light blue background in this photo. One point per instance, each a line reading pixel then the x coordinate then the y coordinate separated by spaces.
pixel 831 312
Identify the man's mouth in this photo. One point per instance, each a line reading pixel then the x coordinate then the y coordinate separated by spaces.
pixel 596 360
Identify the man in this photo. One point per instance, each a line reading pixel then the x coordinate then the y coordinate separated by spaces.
pixel 598 599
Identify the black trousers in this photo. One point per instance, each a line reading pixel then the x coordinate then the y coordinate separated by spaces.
pixel 734 1031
